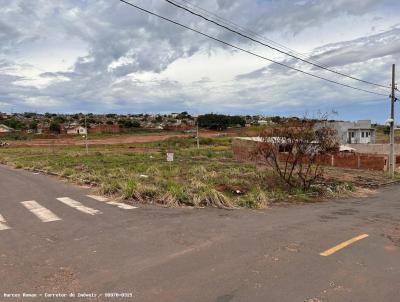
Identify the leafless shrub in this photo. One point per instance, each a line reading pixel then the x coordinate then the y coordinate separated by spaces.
pixel 294 149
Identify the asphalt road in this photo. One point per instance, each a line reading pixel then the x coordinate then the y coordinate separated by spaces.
pixel 54 239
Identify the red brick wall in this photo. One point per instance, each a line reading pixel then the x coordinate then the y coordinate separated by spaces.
pixel 325 160
pixel 12 133
pixel 105 129
pixel 243 150
pixel 398 160
pixel 345 161
pixel 373 162
pixel 179 127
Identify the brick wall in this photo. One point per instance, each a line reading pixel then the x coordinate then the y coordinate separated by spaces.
pixel 345 161
pixel 105 129
pixel 373 162
pixel 244 150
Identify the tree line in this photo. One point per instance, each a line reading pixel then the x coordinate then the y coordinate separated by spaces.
pixel 220 121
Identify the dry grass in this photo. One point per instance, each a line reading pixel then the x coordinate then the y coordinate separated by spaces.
pixel 199 178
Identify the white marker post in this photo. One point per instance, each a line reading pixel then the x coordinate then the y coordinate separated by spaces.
pixel 170 156
pixel 170 159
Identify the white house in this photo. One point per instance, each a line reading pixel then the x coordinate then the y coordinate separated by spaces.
pixel 359 132
pixel 5 129
pixel 76 130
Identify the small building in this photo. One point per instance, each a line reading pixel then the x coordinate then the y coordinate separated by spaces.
pixel 359 132
pixel 76 130
pixel 5 129
pixel 43 129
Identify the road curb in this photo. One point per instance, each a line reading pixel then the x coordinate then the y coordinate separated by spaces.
pixel 389 183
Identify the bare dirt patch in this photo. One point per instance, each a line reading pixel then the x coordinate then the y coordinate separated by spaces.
pixel 117 140
pixel 360 178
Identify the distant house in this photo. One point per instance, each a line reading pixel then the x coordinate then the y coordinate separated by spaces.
pixel 42 129
pixel 76 130
pixel 5 129
pixel 359 132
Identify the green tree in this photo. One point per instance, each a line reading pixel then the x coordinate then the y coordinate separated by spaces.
pixel 29 114
pixel 55 127
pixel 59 119
pixel 33 125
pixel 386 130
pixel 183 115
pixel 219 121
pixel 127 123
pixel 89 120
pixel 237 120
pixel 14 123
pixel 159 119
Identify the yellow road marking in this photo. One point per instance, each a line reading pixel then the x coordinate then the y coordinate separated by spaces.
pixel 343 245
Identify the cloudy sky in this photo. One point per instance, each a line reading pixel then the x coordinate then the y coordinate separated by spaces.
pixel 104 56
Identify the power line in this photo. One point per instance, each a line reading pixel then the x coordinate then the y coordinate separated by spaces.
pixel 250 32
pixel 247 51
pixel 272 47
pixel 298 56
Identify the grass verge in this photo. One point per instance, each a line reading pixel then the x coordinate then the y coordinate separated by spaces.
pixel 198 177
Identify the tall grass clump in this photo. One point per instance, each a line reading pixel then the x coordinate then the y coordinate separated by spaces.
pixel 255 199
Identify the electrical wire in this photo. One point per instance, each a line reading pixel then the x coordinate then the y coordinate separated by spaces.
pixel 247 51
pixel 253 33
pixel 250 32
pixel 272 47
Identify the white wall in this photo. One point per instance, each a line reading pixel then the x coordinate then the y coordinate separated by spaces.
pixel 374 148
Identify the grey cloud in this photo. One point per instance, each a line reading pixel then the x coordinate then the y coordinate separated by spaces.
pixel 341 55
pixel 272 70
pixel 224 4
pixel 294 17
pixel 7 34
pixel 12 95
pixel 256 74
pixel 113 32
pixel 360 50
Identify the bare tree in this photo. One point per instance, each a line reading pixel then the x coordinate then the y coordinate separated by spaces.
pixel 294 150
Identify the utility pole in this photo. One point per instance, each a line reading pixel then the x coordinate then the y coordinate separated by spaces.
pixel 392 159
pixel 197 136
pixel 86 137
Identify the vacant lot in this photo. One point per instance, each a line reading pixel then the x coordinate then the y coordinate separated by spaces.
pixel 139 136
pixel 198 177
